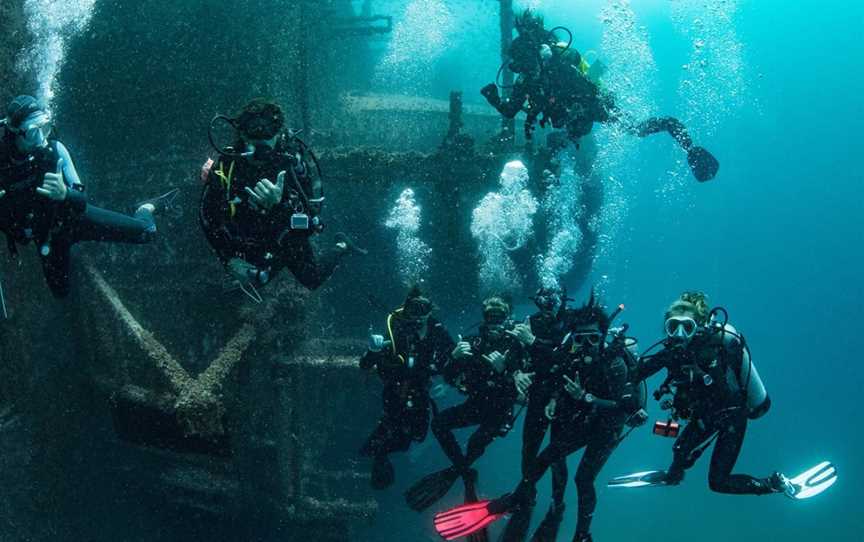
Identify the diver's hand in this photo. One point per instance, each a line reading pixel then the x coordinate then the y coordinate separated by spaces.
pixel 490 92
pixel 54 187
pixel 241 270
pixel 266 194
pixel 574 387
pixel 462 350
pixel 497 360
pixel 523 381
pixel 550 409
pixel 522 333
pixel 376 343
pixel 2 193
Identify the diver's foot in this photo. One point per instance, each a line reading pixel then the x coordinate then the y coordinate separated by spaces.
pixel 346 246
pixel 781 484
pixel 583 537
pixel 383 474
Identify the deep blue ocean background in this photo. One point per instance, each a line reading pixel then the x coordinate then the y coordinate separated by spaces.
pixel 776 238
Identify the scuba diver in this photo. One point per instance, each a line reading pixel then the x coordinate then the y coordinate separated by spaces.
pixel 554 80
pixel 262 201
pixel 593 399
pixel 43 201
pixel 415 348
pixel 483 368
pixel 541 336
pixel 716 389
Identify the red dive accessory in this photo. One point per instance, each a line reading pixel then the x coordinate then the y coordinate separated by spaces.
pixel 667 429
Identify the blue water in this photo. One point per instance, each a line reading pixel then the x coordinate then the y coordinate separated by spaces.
pixel 776 239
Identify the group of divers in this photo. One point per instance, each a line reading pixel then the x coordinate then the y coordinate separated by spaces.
pixel 575 375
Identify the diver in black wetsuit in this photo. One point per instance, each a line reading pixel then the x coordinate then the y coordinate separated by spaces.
pixel 592 400
pixel 483 368
pixel 262 201
pixel 415 348
pixel 716 388
pixel 554 81
pixel 42 199
pixel 541 337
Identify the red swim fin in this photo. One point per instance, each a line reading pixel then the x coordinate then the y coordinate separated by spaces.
pixel 465 520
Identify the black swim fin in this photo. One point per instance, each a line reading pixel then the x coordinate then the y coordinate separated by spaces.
pixel 702 163
pixel 548 529
pixel 429 489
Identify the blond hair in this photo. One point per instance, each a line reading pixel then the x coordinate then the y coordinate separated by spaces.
pixel 695 303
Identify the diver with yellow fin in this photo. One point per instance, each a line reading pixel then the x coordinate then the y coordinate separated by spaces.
pixel 715 388
pixel 555 81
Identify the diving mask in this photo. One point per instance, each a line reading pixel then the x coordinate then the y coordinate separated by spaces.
pixel 681 327
pixel 588 338
pixel 548 301
pixel 417 308
pixel 34 130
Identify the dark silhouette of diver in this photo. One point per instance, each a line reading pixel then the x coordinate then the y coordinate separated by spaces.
pixel 557 86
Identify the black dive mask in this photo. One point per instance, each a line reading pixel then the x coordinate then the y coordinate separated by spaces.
pixel 548 302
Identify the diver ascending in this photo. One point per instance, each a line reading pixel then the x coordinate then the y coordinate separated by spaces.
pixel 415 348
pixel 716 389
pixel 43 201
pixel 593 400
pixel 262 201
pixel 554 81
pixel 483 368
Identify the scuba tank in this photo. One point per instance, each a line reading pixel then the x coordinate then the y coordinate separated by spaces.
pixel 758 401
pixel 747 376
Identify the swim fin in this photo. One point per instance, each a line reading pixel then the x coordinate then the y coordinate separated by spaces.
pixel 162 203
pixel 640 479
pixel 470 480
pixel 429 489
pixel 548 529
pixel 811 482
pixel 468 518
pixel 702 163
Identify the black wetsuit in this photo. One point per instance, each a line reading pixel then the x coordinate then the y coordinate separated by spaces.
pixel 549 331
pixel 491 396
pixel 703 375
pixel 562 94
pixel 54 226
pixel 237 229
pixel 406 368
pixel 595 425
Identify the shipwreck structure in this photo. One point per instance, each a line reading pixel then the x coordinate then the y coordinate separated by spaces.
pixel 155 404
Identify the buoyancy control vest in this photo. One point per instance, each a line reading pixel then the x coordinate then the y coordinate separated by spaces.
pixel 25 215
